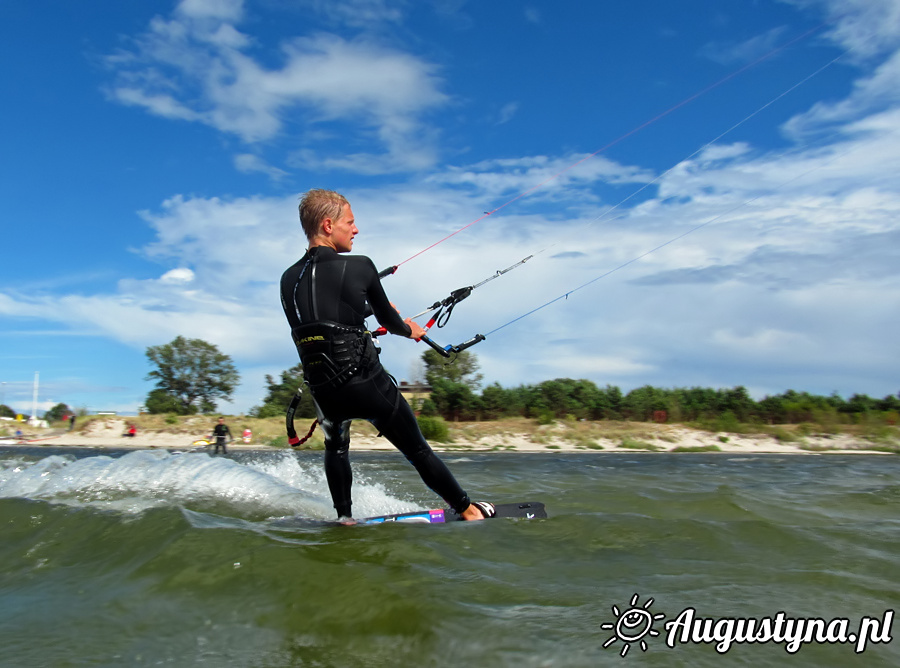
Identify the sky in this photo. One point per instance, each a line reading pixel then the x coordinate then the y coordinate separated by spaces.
pixel 707 190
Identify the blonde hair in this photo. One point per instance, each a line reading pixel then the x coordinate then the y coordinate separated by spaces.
pixel 317 205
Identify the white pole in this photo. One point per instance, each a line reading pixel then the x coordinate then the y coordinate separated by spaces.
pixel 34 397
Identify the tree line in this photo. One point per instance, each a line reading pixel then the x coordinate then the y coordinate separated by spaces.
pixel 458 398
pixel 455 396
pixel 191 375
pixel 582 399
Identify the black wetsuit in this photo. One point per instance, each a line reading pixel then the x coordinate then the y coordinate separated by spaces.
pixel 326 298
pixel 223 435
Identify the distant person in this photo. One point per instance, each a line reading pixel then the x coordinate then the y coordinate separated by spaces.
pixel 71 422
pixel 131 432
pixel 222 434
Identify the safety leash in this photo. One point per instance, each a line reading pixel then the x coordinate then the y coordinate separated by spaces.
pixel 294 441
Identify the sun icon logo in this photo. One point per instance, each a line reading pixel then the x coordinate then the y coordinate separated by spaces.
pixel 632 625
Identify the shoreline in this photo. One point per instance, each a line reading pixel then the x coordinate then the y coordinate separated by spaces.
pixel 665 438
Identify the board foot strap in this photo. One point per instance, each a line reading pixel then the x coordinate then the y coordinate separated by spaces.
pixel 487 509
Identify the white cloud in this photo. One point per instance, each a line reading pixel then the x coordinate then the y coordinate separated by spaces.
pixel 533 15
pixel 746 51
pixel 864 27
pixel 225 10
pixel 507 112
pixel 178 276
pixel 760 341
pixel 159 104
pixel 197 67
pixel 249 163
pixel 872 94
pixel 557 177
pixel 360 13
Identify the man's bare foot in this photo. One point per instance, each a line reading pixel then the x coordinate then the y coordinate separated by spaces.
pixel 472 513
pixel 478 510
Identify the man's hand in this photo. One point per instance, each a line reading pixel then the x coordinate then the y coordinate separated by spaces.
pixel 417 331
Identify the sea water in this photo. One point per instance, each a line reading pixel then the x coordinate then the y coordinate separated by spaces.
pixel 182 559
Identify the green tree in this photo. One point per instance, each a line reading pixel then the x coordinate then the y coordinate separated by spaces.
pixel 462 368
pixel 498 402
pixel 609 404
pixel 160 401
pixel 493 398
pixel 455 401
pixel 739 402
pixel 641 403
pixel 694 403
pixel 861 403
pixel 57 413
pixel 889 403
pixel 194 372
pixel 798 406
pixel 6 411
pixel 565 396
pixel 772 409
pixel 279 395
pixel 556 396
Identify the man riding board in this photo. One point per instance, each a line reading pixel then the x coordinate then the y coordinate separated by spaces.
pixel 326 297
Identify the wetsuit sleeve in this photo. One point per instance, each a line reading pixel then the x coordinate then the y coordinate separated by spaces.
pixel 386 314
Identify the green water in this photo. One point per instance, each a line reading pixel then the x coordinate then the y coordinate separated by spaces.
pixel 151 558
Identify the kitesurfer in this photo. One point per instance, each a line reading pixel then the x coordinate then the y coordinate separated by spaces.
pixel 326 297
pixel 222 434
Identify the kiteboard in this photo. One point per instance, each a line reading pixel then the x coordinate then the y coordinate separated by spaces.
pixel 525 510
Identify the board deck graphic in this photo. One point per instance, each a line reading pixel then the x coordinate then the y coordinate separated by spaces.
pixel 523 510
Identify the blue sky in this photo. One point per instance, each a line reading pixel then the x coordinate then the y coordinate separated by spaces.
pixel 154 154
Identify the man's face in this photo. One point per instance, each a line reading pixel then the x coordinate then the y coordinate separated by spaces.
pixel 343 230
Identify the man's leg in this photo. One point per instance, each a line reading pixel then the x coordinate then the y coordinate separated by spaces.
pixel 399 426
pixel 337 464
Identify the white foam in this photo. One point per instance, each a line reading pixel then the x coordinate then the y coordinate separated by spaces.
pixel 271 486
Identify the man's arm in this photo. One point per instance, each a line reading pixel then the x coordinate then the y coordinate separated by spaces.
pixel 384 311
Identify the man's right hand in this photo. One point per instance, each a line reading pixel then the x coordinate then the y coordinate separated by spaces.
pixel 417 331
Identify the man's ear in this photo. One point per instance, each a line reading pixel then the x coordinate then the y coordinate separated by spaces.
pixel 327 226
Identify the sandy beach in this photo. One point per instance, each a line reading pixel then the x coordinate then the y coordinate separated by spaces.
pixel 551 439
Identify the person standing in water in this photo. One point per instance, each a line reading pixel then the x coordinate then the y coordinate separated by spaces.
pixel 326 296
pixel 222 434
